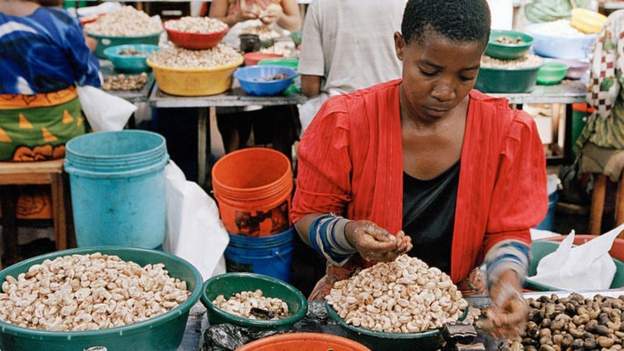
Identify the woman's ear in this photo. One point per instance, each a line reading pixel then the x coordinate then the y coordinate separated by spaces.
pixel 399 45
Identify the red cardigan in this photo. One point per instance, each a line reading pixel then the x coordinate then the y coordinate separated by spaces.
pixel 351 163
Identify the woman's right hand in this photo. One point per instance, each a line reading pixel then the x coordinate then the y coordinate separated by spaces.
pixel 376 244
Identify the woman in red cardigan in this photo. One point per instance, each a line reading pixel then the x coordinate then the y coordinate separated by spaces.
pixel 426 166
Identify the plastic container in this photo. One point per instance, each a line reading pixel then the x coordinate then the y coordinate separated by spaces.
pixel 511 81
pixel 195 41
pixel 249 42
pixel 576 68
pixel 304 341
pixel 130 64
pixel 380 341
pixel 257 80
pixel 268 255
pixel 162 333
pixel 118 188
pixel 553 197
pixel 551 73
pixel 194 81
pixel 253 188
pixel 560 47
pixel 252 58
pixel 290 62
pixel 231 283
pixel 541 248
pixel 105 41
pixel 508 51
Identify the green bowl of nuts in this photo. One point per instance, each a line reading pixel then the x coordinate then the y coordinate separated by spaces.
pixel 276 304
pixel 73 277
pixel 381 341
pixel 508 44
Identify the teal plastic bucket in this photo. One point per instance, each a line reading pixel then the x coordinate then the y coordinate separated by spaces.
pixel 269 255
pixel 118 188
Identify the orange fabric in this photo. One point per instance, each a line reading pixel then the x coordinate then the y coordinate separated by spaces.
pixel 351 163
pixel 14 101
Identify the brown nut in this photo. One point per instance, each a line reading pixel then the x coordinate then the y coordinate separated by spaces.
pixel 604 341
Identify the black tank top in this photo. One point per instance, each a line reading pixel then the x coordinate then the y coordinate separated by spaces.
pixel 429 216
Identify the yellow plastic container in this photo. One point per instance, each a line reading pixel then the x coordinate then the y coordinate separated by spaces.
pixel 586 21
pixel 194 81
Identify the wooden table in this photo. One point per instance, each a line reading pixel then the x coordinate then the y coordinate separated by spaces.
pixel 234 98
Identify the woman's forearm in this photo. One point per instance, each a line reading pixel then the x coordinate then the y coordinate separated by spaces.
pixel 290 22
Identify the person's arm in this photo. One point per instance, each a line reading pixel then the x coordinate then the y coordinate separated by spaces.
pixel 310 85
pixel 219 10
pixel 323 190
pixel 518 203
pixel 86 67
pixel 291 19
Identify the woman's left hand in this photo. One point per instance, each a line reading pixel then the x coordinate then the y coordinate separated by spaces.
pixel 508 314
pixel 271 14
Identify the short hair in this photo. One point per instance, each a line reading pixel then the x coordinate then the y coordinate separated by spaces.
pixel 457 20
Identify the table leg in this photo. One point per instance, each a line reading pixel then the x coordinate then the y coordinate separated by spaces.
pixel 202 130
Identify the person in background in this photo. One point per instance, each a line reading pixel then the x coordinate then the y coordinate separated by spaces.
pixel 601 143
pixel 426 166
pixel 284 13
pixel 347 45
pixel 279 125
pixel 43 56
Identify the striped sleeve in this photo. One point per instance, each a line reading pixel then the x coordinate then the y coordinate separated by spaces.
pixel 507 255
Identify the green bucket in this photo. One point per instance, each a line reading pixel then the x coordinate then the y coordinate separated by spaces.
pixel 231 283
pixel 380 341
pixel 540 248
pixel 164 332
pixel 106 41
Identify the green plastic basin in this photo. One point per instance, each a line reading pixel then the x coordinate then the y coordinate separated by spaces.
pixel 541 248
pixel 379 341
pixel 164 332
pixel 511 81
pixel 229 284
pixel 508 51
pixel 105 41
pixel 130 64
pixel 552 73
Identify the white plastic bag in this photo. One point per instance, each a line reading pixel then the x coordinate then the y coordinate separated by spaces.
pixel 194 230
pixel 585 267
pixel 105 112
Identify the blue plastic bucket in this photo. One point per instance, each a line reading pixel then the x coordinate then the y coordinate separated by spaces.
pixel 118 188
pixel 553 197
pixel 268 255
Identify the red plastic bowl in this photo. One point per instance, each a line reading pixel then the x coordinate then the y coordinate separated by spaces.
pixel 252 58
pixel 195 41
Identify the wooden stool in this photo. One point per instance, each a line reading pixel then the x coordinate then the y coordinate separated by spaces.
pixel 13 174
pixel 598 203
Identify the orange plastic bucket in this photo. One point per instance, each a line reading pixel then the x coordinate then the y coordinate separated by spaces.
pixel 304 341
pixel 253 188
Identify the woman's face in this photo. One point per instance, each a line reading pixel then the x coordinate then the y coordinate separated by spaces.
pixel 438 73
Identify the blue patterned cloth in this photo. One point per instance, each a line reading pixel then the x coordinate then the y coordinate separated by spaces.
pixel 43 53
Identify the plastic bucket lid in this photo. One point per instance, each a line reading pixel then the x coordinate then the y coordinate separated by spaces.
pixel 112 152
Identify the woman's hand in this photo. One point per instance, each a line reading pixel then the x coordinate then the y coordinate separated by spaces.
pixel 271 14
pixel 508 314
pixel 376 244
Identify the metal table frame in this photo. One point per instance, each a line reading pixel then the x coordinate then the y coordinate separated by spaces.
pixel 233 98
